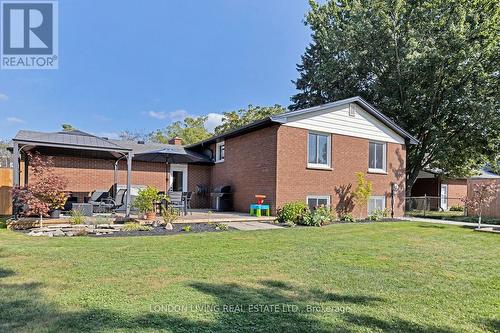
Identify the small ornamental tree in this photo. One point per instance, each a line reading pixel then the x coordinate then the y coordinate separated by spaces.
pixel 45 192
pixel 481 197
pixel 363 190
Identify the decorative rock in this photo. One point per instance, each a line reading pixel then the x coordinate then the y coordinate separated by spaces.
pixel 58 233
pixel 169 226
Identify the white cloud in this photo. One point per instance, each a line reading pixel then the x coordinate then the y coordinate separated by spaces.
pixel 14 120
pixel 4 97
pixel 213 120
pixel 162 115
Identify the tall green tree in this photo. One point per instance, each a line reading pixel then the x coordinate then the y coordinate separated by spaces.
pixel 67 127
pixel 235 119
pixel 191 130
pixel 431 65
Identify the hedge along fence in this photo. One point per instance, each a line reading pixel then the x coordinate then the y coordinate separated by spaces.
pixel 494 208
pixel 5 187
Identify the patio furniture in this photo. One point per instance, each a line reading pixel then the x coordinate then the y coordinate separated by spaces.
pixel 96 200
pixel 256 209
pixel 178 200
pixel 85 208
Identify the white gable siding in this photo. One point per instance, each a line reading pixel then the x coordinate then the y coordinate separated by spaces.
pixel 338 121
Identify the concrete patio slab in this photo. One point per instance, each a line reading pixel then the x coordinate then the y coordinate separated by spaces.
pixel 252 226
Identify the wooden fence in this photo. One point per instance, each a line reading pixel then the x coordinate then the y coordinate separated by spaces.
pixel 5 187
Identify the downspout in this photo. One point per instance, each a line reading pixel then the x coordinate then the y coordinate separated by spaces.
pixel 115 175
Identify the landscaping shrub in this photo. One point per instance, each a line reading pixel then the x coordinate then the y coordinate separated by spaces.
pixel 318 217
pixel 169 215
pixel 293 212
pixel 3 223
pixel 76 217
pixel 221 226
pixel 187 228
pixel 457 208
pixel 347 218
pixel 378 214
pixel 133 226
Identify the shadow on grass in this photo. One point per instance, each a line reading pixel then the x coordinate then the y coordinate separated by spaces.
pixel 433 226
pixel 392 325
pixel 22 307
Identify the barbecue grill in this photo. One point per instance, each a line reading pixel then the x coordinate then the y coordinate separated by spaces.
pixel 222 198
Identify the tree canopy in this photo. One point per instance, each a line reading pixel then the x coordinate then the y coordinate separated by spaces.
pixel 191 130
pixel 431 65
pixel 241 117
pixel 67 127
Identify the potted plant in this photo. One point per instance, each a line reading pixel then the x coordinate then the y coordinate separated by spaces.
pixel 145 202
pixel 56 201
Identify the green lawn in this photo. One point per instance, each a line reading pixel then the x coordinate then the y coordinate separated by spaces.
pixel 452 216
pixel 384 277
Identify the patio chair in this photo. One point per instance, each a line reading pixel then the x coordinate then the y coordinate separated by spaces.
pixel 178 200
pixel 113 204
pixel 188 196
pixel 97 199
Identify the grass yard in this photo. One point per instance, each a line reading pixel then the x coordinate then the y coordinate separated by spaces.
pixel 384 277
pixel 451 216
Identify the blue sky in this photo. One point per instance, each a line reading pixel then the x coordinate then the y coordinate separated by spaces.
pixel 139 65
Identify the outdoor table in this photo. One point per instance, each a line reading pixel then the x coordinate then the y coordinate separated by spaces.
pixel 256 209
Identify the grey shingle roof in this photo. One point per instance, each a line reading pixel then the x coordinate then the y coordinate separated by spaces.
pixel 143 147
pixel 73 138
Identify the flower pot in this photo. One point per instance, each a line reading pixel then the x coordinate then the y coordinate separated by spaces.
pixel 54 214
pixel 150 216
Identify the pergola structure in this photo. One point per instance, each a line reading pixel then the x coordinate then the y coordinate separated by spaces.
pixel 73 143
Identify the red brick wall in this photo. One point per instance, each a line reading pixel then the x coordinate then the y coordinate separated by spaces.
pixel 85 175
pixel 349 155
pixel 457 189
pixel 249 167
pixel 199 175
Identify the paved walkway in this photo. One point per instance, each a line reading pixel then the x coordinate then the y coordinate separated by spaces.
pixel 252 225
pixel 462 224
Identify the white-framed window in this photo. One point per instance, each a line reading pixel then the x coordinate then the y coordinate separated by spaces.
pixel 314 201
pixel 376 203
pixel 220 151
pixel 377 156
pixel 319 150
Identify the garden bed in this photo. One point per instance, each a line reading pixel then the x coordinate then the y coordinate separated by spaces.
pixel 178 228
pixel 116 230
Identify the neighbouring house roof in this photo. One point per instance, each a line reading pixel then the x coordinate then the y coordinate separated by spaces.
pixel 282 118
pixel 485 174
pixel 70 139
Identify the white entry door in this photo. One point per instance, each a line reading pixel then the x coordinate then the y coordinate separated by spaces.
pixel 444 196
pixel 178 178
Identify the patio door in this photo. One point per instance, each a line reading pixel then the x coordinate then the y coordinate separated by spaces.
pixel 178 178
pixel 444 196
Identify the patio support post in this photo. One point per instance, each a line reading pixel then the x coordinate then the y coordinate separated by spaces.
pixel 15 173
pixel 129 179
pixel 15 168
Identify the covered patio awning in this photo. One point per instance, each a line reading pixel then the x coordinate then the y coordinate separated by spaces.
pixel 173 154
pixel 71 143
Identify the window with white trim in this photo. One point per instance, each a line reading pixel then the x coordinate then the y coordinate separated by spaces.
pixel 220 151
pixel 377 156
pixel 314 201
pixel 376 203
pixel 319 150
